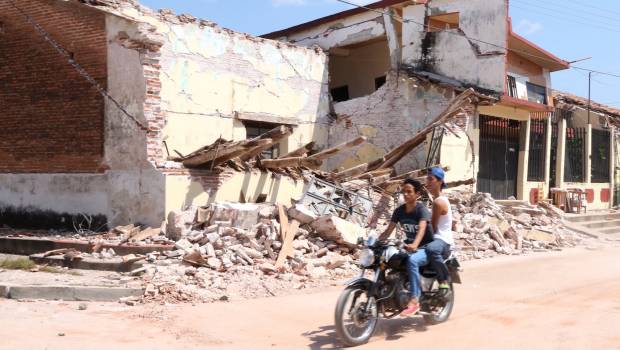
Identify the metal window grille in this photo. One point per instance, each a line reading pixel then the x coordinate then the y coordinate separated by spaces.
pixel 255 129
pixel 511 83
pixel 600 156
pixel 538 147
pixel 574 160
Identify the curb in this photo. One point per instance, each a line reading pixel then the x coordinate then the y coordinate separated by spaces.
pixel 68 293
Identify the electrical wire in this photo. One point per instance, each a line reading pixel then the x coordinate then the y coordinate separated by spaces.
pixel 581 15
pixel 564 17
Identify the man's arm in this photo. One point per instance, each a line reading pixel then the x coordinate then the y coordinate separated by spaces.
pixel 439 209
pixel 418 237
pixel 388 231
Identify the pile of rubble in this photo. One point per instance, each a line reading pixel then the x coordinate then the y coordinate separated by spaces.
pixel 237 250
pixel 484 227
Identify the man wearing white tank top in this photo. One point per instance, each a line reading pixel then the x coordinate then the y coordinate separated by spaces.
pixel 441 221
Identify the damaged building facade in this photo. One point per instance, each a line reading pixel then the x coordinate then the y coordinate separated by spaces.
pixel 177 83
pixel 395 65
pixel 69 153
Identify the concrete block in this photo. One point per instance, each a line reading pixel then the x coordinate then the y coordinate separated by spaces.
pixel 4 291
pixel 334 228
pixel 241 215
pixel 302 214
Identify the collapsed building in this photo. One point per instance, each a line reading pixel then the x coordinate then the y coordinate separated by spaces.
pixel 393 64
pixel 116 140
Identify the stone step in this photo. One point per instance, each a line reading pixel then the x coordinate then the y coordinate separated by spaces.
pixel 592 217
pixel 601 224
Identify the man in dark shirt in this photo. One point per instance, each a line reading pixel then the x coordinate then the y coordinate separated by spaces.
pixel 415 219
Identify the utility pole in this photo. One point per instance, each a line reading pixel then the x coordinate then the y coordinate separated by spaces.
pixel 589 88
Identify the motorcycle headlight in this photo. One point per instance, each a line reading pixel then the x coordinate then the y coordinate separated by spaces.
pixel 367 257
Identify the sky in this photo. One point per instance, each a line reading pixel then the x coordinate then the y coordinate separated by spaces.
pixel 570 29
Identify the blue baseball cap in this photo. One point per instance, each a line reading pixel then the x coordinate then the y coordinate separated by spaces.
pixel 439 174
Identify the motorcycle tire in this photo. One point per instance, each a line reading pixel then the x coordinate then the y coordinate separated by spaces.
pixel 445 312
pixel 343 332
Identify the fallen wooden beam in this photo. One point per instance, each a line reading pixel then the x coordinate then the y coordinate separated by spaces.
pixel 276 135
pixel 418 173
pixel 358 169
pixel 300 152
pixel 461 183
pixel 372 174
pixel 295 162
pixel 287 245
pixel 223 153
pixel 399 152
pixel 337 149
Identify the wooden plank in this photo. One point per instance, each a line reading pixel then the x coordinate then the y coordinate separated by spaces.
pixel 372 174
pixel 461 183
pixel 336 149
pixel 283 221
pixel 358 169
pixel 287 245
pixel 300 152
pixel 223 153
pixel 296 162
pixel 418 173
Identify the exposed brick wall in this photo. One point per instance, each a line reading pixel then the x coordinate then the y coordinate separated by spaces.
pixel 51 119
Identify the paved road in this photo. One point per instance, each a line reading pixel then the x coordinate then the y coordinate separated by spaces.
pixel 560 300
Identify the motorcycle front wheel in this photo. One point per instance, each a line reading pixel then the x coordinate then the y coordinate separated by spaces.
pixel 356 316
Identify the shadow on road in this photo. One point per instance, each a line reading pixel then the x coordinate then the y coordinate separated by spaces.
pixel 325 337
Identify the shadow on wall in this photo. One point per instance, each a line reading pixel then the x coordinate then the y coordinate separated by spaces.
pixel 37 219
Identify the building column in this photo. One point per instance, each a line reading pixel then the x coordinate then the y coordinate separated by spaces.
pixel 561 154
pixel 588 155
pixel 548 155
pixel 524 162
pixel 392 36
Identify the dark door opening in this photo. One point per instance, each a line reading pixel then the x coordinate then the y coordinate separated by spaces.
pixel 499 156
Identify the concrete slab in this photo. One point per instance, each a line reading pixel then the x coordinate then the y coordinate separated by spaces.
pixel 114 264
pixel 70 293
pixel 31 245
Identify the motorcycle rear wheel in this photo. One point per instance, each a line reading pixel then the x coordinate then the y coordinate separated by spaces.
pixel 442 315
pixel 355 326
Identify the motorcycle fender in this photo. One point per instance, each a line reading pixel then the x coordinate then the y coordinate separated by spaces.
pixel 455 277
pixel 360 282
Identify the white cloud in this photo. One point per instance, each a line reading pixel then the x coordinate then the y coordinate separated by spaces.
pixel 526 27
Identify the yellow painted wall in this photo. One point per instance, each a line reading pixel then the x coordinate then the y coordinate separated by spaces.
pixel 597 204
pixel 505 112
pixel 183 190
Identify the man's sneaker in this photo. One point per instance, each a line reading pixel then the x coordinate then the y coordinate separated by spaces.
pixel 412 309
pixel 445 291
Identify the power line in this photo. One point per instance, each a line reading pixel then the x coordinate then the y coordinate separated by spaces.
pixel 402 20
pixel 581 15
pixel 63 52
pixel 563 17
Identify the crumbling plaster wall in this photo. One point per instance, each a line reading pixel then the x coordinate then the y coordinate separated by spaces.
pixel 342 32
pixel 204 187
pixel 451 52
pixel 212 77
pixel 389 117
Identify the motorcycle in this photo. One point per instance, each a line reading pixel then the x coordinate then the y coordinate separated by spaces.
pixel 387 294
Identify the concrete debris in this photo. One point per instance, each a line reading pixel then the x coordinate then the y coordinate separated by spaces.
pixel 339 230
pixel 483 228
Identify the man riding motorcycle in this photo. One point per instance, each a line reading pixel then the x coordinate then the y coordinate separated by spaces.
pixel 415 219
